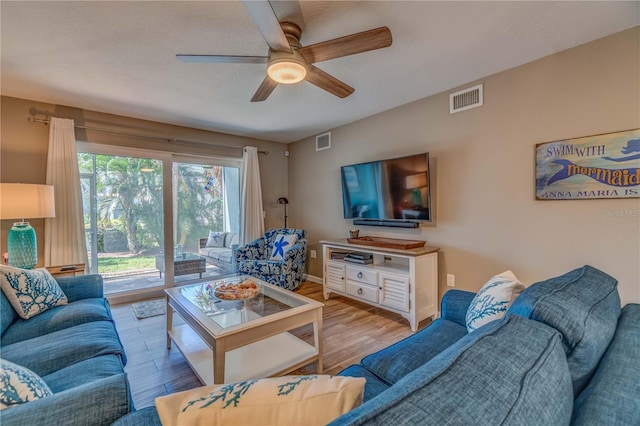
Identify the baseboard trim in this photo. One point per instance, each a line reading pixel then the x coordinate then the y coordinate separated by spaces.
pixel 313 278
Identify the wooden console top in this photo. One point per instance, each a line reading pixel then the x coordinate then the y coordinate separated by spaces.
pixel 420 251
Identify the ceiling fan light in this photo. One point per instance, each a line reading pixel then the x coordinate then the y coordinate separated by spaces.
pixel 287 72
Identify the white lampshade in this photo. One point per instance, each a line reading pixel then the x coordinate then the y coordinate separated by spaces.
pixel 26 201
pixel 417 181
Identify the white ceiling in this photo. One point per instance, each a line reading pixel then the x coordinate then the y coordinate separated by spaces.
pixel 119 56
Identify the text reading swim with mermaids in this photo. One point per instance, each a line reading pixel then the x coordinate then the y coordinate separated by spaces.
pixel 612 177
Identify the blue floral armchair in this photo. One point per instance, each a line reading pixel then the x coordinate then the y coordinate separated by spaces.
pixel 253 259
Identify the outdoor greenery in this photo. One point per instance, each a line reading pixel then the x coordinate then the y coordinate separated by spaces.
pixel 129 198
pixel 118 264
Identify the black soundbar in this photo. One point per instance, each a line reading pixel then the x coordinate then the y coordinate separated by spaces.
pixel 389 223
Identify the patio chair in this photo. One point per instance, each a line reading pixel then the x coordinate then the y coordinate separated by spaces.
pixel 275 257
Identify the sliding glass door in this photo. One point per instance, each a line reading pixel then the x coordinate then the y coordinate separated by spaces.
pixel 133 199
pixel 124 220
pixel 206 199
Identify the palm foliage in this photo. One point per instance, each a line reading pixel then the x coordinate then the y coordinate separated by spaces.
pixel 129 195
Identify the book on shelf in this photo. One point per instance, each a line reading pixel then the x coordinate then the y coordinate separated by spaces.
pixel 338 255
pixel 358 260
pixel 358 255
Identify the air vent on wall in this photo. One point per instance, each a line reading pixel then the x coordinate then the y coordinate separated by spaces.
pixel 465 99
pixel 323 141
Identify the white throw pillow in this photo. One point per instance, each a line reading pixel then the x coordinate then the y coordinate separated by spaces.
pixel 281 245
pixel 493 300
pixel 30 292
pixel 231 239
pixel 19 385
pixel 288 400
pixel 216 239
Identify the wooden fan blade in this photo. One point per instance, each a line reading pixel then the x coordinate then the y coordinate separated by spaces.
pixel 264 90
pixel 328 82
pixel 263 15
pixel 223 59
pixel 347 45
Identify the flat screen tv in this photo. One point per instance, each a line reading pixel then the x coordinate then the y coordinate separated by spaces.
pixel 393 189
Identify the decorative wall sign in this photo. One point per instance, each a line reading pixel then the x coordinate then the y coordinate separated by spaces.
pixel 599 166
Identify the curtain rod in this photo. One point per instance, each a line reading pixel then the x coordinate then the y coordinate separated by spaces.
pixel 136 135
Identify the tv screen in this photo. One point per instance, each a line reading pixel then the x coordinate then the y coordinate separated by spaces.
pixel 393 189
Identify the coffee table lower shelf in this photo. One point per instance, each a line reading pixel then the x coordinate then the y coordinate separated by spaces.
pixel 275 355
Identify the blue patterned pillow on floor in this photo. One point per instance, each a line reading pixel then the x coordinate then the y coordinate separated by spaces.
pixel 493 300
pixel 30 292
pixel 19 385
pixel 281 245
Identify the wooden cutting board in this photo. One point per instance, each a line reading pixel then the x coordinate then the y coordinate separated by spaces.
pixel 387 242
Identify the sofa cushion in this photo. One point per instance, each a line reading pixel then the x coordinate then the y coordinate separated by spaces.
pixel 30 292
pixel 281 245
pixel 82 372
pixel 374 385
pixel 613 393
pixel 221 254
pixel 147 416
pixel 527 384
pixel 82 287
pixel 7 314
pixel 396 361
pixel 492 300
pixel 288 400
pixel 51 352
pixel 216 239
pixel 454 305
pixel 97 403
pixel 584 306
pixel 225 257
pixel 80 312
pixel 19 385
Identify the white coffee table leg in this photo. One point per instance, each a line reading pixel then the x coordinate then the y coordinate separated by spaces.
pixel 317 337
pixel 219 352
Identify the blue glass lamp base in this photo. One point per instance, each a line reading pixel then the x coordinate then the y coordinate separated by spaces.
pixel 417 197
pixel 22 246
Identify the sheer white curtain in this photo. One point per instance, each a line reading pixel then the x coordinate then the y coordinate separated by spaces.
pixel 251 219
pixel 64 235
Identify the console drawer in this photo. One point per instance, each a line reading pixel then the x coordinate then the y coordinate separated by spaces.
pixel 363 291
pixel 368 276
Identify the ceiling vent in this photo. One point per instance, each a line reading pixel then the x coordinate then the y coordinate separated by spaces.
pixel 323 141
pixel 465 99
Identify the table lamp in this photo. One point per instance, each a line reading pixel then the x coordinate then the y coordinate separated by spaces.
pixel 24 201
pixel 416 182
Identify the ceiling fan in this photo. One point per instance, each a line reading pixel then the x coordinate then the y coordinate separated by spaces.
pixel 288 61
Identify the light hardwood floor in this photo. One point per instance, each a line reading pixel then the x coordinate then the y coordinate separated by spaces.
pixel 352 330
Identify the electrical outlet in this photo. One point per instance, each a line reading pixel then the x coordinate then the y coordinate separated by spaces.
pixel 451 280
pixel 312 253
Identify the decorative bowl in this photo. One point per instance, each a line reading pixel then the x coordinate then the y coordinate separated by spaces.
pixel 239 291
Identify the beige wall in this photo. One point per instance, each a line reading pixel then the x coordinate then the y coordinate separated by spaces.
pixel 23 150
pixel 487 217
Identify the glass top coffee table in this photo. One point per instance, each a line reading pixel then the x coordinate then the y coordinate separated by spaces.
pixel 227 341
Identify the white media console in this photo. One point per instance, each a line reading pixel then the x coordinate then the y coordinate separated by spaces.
pixel 401 281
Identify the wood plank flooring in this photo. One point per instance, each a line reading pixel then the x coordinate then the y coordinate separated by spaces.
pixel 352 330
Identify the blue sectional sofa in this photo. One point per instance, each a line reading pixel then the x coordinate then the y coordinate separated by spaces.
pixel 76 350
pixel 564 354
